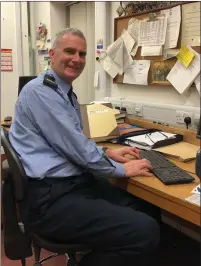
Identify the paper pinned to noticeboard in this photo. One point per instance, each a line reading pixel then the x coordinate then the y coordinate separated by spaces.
pixel 185 56
pixel 182 77
pixel 183 151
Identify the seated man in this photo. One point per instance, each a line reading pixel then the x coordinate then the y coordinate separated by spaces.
pixel 69 196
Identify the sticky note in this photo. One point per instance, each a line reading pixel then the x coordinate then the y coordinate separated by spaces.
pixel 185 56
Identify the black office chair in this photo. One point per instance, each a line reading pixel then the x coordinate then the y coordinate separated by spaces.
pixel 18 240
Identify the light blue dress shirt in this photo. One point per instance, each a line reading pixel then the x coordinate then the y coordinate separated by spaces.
pixel 47 134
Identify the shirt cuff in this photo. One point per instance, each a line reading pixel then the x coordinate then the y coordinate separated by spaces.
pixel 119 171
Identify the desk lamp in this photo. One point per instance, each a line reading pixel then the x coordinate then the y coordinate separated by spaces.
pixel 198 155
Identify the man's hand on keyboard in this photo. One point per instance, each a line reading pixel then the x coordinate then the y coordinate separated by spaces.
pixel 138 167
pixel 123 155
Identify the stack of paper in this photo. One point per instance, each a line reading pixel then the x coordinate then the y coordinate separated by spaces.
pixel 120 118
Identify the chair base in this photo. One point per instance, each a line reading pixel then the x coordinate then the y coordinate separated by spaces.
pixel 70 261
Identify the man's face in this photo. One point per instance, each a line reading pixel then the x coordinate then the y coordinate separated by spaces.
pixel 69 57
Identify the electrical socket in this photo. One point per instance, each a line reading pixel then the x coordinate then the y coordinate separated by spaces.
pixel 138 110
pixel 130 108
pixel 180 115
pixel 116 104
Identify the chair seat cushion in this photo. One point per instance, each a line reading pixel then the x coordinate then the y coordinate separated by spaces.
pixel 57 247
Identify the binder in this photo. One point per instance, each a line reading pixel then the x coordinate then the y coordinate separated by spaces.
pixel 149 139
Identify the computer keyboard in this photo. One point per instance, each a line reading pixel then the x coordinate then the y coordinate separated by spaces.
pixel 166 171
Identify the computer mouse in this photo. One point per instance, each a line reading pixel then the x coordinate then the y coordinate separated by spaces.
pixel 8 118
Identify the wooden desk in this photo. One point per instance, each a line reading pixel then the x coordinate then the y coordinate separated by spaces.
pixel 170 198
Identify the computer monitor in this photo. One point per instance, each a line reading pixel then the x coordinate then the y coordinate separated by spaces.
pixel 23 80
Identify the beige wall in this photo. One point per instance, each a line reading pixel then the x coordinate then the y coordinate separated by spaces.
pixel 10 39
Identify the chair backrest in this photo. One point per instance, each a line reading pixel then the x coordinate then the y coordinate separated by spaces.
pixel 23 80
pixel 19 178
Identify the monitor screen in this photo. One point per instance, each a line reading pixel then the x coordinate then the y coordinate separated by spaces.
pixel 23 80
pixel 198 131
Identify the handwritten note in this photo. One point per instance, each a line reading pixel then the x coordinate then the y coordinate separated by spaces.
pixel 137 73
pixel 185 56
pixel 190 30
pixel 133 30
pixel 115 52
pixel 110 67
pixel 173 26
pixel 128 40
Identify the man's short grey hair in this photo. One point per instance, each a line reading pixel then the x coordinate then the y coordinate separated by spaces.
pixel 63 32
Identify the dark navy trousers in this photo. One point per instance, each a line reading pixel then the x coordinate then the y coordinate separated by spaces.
pixel 122 229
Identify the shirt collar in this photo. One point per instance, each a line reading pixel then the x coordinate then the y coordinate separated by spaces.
pixel 65 87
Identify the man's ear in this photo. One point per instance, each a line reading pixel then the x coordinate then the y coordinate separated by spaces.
pixel 51 53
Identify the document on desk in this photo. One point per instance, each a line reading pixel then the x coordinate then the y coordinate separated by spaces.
pixel 196 190
pixel 173 26
pixel 182 77
pixel 133 30
pixel 137 73
pixel 197 83
pixel 147 141
pixel 195 199
pixel 152 32
pixel 190 29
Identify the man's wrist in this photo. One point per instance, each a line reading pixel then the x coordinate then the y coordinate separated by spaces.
pixel 104 149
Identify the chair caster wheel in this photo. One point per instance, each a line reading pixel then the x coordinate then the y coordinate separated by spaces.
pixel 71 262
pixel 37 264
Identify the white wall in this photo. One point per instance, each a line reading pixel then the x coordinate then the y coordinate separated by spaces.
pixel 82 17
pixel 10 38
pixel 58 17
pixel 159 94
